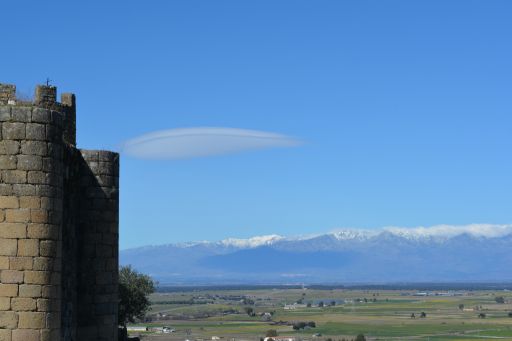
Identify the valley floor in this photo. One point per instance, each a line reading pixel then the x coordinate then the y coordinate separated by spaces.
pixel 337 314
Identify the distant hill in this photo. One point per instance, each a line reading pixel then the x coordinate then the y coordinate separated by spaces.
pixel 473 253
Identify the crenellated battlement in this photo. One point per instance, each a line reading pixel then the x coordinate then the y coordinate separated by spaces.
pixel 46 97
pixel 58 224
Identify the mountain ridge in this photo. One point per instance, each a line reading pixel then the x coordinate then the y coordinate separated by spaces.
pixel 443 252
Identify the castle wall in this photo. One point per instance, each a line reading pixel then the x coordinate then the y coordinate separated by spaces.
pixel 30 215
pixel 98 229
pixel 58 225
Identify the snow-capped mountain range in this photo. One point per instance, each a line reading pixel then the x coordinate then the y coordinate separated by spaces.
pixel 478 252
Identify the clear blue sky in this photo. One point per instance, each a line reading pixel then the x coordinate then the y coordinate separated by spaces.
pixel 404 108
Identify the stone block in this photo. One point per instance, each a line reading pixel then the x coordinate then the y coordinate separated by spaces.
pixel 13 230
pixel 42 231
pixel 21 215
pixel 13 131
pixel 8 147
pixel 5 189
pixel 29 290
pixel 28 248
pixel 21 114
pixel 8 319
pixel 47 203
pixel 36 132
pixel 11 276
pixel 50 291
pixel 5 113
pixel 44 304
pixel 8 162
pixel 23 304
pixel 38 177
pixel 21 263
pixel 23 189
pixel 39 216
pixel 5 304
pixel 30 202
pixel 43 263
pixel 4 263
pixel 8 247
pixel 14 176
pixel 30 162
pixel 38 277
pixel 41 115
pixel 5 335
pixel 8 290
pixel 46 335
pixel 9 202
pixel 52 165
pixel 48 248
pixel 34 148
pixel 48 191
pixel 25 335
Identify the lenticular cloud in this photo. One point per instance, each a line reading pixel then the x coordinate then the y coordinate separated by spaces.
pixel 198 142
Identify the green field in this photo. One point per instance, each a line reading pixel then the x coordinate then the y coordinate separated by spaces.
pixel 378 314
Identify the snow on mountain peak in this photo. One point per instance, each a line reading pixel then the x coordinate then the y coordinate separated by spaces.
pixel 450 231
pixel 351 234
pixel 252 242
pixel 437 232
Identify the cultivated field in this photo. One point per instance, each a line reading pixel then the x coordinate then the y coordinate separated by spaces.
pixel 378 314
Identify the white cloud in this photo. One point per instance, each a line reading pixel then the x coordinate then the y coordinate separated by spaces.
pixel 202 141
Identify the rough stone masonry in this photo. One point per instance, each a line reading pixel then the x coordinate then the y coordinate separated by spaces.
pixel 58 224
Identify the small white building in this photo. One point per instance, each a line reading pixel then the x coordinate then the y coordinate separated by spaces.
pixel 137 329
pixel 294 306
pixel 279 338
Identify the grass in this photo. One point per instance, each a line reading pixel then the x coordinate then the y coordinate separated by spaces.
pixel 389 318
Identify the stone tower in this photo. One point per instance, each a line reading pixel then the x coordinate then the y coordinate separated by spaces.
pixel 58 224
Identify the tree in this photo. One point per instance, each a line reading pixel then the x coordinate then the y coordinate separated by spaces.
pixel 360 337
pixel 500 299
pixel 321 304
pixel 510 314
pixel 249 311
pixel 271 333
pixel 134 289
pixel 299 325
pixel 461 306
pixel 423 314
